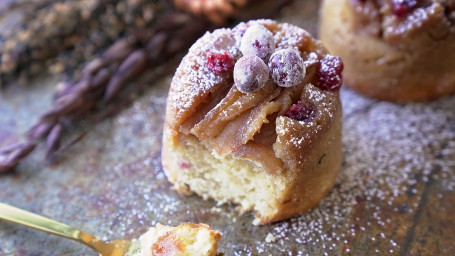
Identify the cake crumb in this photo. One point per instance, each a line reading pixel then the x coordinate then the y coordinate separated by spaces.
pixel 256 222
pixel 215 209
pixel 270 238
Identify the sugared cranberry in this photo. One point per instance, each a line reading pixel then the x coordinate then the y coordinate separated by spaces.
pixel 250 73
pixel 329 73
pixel 402 8
pixel 258 41
pixel 301 112
pixel 220 62
pixel 287 67
pixel 240 29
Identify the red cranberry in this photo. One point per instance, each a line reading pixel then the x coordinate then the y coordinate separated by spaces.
pixel 220 62
pixel 402 8
pixel 329 73
pixel 301 112
pixel 258 41
pixel 287 67
pixel 250 73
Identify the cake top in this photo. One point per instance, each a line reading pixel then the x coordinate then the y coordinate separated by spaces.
pixel 397 19
pixel 234 84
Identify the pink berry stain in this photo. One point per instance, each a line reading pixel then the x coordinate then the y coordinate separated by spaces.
pixel 329 73
pixel 220 62
pixel 184 165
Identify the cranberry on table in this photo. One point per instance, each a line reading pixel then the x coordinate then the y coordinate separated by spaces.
pixel 402 8
pixel 220 62
pixel 287 67
pixel 258 41
pixel 329 73
pixel 301 112
pixel 250 73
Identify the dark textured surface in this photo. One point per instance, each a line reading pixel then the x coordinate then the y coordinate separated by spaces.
pixel 394 196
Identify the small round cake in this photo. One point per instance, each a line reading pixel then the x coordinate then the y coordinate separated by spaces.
pixel 395 50
pixel 253 117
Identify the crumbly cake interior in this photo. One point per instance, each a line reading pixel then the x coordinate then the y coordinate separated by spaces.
pixel 226 179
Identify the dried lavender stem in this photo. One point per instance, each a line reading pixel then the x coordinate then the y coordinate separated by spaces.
pixel 50 27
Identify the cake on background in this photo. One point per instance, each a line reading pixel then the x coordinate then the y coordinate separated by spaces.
pixel 253 117
pixel 395 50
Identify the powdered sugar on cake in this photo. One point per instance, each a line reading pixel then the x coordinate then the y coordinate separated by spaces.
pixel 194 80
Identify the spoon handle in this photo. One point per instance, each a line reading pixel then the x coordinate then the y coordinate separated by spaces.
pixel 19 216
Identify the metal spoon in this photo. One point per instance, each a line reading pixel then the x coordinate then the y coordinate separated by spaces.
pixel 112 248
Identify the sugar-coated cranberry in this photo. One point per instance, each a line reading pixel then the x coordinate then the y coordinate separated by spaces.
pixel 240 29
pixel 301 112
pixel 258 41
pixel 250 73
pixel 287 67
pixel 402 8
pixel 220 62
pixel 329 73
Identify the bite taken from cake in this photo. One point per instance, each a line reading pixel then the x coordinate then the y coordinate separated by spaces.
pixel 395 50
pixel 253 117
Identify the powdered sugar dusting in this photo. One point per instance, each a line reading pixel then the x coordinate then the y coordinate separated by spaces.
pixel 293 39
pixel 193 78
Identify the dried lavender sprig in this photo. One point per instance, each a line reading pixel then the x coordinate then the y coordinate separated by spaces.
pixel 106 76
pixel 50 27
pixel 10 158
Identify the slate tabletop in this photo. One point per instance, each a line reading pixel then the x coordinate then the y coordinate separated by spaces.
pixel 394 195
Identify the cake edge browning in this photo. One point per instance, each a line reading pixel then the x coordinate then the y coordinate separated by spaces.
pixel 319 167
